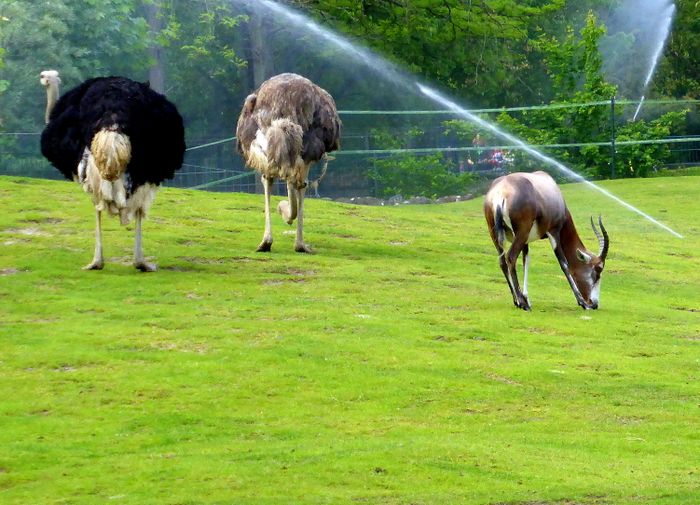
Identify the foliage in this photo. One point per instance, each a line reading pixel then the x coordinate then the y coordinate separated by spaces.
pixel 468 47
pixel 415 175
pixel 3 82
pixel 391 367
pixel 203 56
pixel 82 39
pixel 639 160
pixel 679 74
pixel 212 54
pixel 209 43
pixel 575 69
pixel 408 175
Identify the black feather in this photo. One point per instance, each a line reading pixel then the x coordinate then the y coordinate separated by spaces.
pixel 151 122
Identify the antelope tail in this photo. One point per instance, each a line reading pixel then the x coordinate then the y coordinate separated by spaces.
pixel 499 225
pixel 111 151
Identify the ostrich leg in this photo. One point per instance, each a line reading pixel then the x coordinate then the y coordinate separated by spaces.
pixel 266 244
pixel 98 261
pixel 299 245
pixel 139 260
pixel 288 208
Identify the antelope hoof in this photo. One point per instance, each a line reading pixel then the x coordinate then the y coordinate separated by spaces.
pixel 95 265
pixel 144 266
pixel 264 247
pixel 524 304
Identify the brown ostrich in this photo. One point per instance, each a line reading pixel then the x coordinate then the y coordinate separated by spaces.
pixel 285 126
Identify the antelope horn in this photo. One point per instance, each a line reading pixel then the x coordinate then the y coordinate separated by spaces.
pixel 603 239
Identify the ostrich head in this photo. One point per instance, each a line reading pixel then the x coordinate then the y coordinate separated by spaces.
pixel 50 80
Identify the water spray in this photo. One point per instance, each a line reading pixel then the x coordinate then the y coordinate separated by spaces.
pixel 391 72
pixel 434 95
pixel 665 30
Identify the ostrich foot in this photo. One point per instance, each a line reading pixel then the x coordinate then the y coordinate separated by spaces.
pixel 284 209
pixel 144 266
pixel 95 265
pixel 264 246
pixel 303 248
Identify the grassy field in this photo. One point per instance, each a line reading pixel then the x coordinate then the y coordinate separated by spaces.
pixel 389 368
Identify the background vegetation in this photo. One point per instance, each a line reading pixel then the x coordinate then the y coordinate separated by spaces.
pixel 207 56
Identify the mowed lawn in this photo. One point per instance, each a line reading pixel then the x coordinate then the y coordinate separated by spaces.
pixel 388 368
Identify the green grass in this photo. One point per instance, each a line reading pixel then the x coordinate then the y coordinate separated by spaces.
pixel 389 368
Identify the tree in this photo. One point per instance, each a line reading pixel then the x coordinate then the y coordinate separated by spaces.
pixel 80 39
pixel 575 68
pixel 3 83
pixel 679 74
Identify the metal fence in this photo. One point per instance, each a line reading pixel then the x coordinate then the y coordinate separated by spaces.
pixel 370 140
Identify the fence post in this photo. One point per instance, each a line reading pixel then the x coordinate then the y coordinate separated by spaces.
pixel 612 140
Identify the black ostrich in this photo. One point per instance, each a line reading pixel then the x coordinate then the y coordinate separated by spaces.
pixel 120 140
pixel 285 126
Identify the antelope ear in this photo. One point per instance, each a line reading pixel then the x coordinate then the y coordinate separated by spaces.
pixel 583 257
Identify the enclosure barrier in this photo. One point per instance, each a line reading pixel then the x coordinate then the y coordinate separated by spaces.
pixel 372 138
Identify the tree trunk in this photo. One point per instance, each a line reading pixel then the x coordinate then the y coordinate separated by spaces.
pixel 260 50
pixel 156 74
pixel 259 56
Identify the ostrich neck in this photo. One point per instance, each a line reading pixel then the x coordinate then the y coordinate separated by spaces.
pixel 51 98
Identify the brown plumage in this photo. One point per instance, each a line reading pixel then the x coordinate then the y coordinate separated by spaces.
pixel 284 127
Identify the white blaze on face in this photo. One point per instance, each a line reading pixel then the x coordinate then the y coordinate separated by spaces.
pixel 595 293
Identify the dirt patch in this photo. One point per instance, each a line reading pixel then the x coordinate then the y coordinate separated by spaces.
pixel 594 500
pixel 65 368
pixel 44 220
pixel 279 282
pixel 628 420
pixel 220 261
pixel 300 273
pixel 504 380
pixel 686 309
pixel 187 348
pixel 4 272
pixel 30 232
pixel 180 268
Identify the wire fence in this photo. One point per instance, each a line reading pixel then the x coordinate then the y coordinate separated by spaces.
pixel 374 141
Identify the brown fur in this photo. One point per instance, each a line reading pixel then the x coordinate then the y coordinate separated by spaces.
pixel 523 207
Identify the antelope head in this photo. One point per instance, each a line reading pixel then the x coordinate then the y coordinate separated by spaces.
pixel 588 268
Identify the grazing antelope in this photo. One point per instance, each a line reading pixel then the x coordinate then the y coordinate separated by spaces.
pixel 523 207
